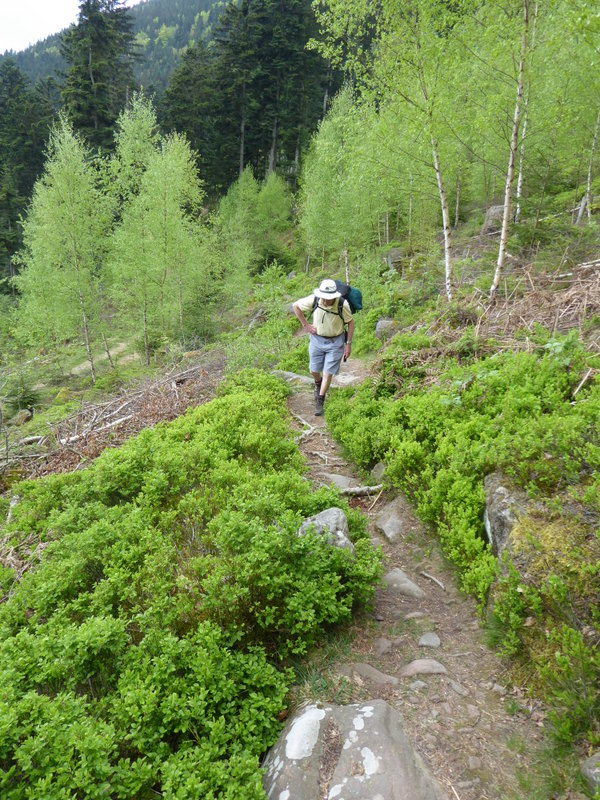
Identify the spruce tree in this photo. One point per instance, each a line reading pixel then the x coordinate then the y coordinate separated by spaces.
pixel 100 53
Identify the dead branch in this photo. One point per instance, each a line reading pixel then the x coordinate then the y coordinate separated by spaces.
pixel 583 381
pixel 435 580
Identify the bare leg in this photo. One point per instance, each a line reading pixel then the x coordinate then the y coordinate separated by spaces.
pixel 316 376
pixel 325 383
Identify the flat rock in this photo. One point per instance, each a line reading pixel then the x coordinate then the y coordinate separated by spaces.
pixel 292 378
pixel 391 520
pixel 383 646
pixel 399 582
pixel 429 639
pixel 423 666
pixel 349 752
pixel 366 672
pixel 341 481
pixel 460 690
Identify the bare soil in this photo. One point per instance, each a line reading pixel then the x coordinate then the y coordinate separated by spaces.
pixel 479 735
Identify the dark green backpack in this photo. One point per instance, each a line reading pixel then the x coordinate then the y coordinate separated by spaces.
pixel 349 294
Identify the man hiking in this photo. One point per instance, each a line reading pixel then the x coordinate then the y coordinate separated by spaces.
pixel 328 341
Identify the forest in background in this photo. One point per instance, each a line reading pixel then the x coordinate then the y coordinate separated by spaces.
pixel 250 95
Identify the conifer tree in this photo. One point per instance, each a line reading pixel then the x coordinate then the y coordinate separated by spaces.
pixel 99 52
pixel 64 241
pixel 25 116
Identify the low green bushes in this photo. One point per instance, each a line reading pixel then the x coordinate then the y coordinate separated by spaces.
pixel 518 413
pixel 140 651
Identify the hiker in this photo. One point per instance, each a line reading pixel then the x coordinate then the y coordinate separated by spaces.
pixel 328 341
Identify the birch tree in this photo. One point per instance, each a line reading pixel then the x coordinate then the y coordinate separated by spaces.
pixel 411 36
pixel 64 242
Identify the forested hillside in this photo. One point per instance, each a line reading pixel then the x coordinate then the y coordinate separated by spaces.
pixel 441 157
pixel 163 30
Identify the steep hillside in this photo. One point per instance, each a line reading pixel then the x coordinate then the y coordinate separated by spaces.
pixel 164 29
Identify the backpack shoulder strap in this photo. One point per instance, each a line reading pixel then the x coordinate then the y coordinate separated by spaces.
pixel 315 304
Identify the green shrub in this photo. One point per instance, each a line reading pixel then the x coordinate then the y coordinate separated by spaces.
pixel 140 651
pixel 510 412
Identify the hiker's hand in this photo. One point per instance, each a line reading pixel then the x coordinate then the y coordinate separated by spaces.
pixel 310 328
pixel 347 350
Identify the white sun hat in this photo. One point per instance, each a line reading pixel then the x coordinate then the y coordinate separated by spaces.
pixel 327 290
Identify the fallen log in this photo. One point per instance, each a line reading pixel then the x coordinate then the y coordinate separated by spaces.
pixel 360 491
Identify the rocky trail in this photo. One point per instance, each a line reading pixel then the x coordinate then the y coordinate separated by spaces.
pixel 422 648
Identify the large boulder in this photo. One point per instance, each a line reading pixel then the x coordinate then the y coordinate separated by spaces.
pixel 350 752
pixel 385 328
pixel 493 219
pixel 394 259
pixel 331 523
pixel 21 417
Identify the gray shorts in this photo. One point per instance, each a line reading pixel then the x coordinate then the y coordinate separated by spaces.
pixel 324 354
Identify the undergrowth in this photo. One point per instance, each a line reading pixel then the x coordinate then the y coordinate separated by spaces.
pixel 512 412
pixel 143 651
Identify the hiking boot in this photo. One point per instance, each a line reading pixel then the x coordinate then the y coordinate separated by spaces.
pixel 317 389
pixel 319 402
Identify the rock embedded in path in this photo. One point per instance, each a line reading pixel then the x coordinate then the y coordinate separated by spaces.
pixel 423 666
pixel 350 752
pixel 292 378
pixel 383 646
pixel 331 523
pixel 399 582
pixel 460 690
pixel 429 639
pixel 391 519
pixel 365 672
pixel 341 481
pixel 474 763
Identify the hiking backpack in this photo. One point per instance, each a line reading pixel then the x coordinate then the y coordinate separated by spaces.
pixel 349 294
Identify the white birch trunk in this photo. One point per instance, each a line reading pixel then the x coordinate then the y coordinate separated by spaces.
pixel 510 172
pixel 587 197
pixel 410 201
pixel 445 218
pixel 521 160
pixel 519 193
pixel 86 336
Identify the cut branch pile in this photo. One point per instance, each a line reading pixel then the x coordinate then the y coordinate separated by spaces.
pixel 559 302
pixel 80 438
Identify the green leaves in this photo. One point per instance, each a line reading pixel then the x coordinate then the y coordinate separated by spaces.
pixel 511 413
pixel 142 648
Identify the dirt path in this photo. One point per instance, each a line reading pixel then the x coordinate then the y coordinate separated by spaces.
pixel 459 721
